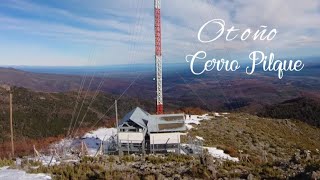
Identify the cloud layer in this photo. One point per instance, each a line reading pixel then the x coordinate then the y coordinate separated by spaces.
pixel 121 32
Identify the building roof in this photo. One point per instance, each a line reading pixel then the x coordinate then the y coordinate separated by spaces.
pixel 138 116
pixel 161 125
pixel 170 117
pixel 156 123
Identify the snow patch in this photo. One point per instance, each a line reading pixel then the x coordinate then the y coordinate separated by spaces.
pixel 189 126
pixel 46 160
pixel 101 133
pixel 200 138
pixel 218 153
pixel 195 119
pixel 15 174
pixel 91 139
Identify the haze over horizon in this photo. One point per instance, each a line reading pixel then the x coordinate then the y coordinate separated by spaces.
pixel 68 33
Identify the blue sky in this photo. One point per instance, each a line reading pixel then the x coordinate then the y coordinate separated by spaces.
pixel 103 32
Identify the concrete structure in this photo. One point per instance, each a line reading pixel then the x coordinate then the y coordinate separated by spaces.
pixel 142 132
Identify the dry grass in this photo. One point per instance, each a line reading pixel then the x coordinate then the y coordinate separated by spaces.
pixel 258 136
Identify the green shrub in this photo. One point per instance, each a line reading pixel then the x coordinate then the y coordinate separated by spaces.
pixel 6 162
pixel 128 158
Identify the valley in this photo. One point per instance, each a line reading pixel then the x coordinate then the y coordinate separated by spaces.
pixel 266 121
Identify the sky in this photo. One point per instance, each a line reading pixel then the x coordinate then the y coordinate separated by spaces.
pixel 107 32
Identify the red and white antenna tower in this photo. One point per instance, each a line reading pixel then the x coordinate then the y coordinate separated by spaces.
pixel 158 54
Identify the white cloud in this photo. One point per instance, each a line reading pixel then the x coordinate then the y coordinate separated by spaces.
pixel 123 29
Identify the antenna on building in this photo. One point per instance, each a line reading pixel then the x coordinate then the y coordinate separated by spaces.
pixel 158 55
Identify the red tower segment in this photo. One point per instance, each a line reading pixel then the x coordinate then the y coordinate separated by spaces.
pixel 158 55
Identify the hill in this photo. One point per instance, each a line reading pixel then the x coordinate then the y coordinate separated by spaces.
pixel 40 115
pixel 268 148
pixel 303 108
pixel 265 149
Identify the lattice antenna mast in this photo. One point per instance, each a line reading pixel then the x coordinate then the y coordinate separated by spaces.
pixel 158 55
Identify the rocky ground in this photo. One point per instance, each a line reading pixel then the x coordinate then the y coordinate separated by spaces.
pixel 301 166
pixel 266 149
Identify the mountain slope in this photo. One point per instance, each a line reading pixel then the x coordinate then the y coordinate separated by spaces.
pixel 267 148
pixel 302 108
pixel 39 115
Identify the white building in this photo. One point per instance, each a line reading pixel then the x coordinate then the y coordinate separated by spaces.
pixel 140 131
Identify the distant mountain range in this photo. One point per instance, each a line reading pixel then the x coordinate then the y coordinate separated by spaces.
pixel 213 91
pixel 55 82
pixel 43 103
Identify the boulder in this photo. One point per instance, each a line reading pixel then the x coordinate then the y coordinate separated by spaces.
pixel 315 175
pixel 250 177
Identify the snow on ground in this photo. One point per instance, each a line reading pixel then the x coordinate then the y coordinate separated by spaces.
pixel 192 119
pixel 218 153
pixel 91 139
pixel 62 143
pixel 101 133
pixel 200 138
pixel 189 126
pixel 213 151
pixel 15 174
pixel 195 119
pixel 46 160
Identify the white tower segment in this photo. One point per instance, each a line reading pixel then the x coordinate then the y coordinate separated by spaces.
pixel 158 55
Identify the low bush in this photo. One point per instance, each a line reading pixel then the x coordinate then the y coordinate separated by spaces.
pixel 6 162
